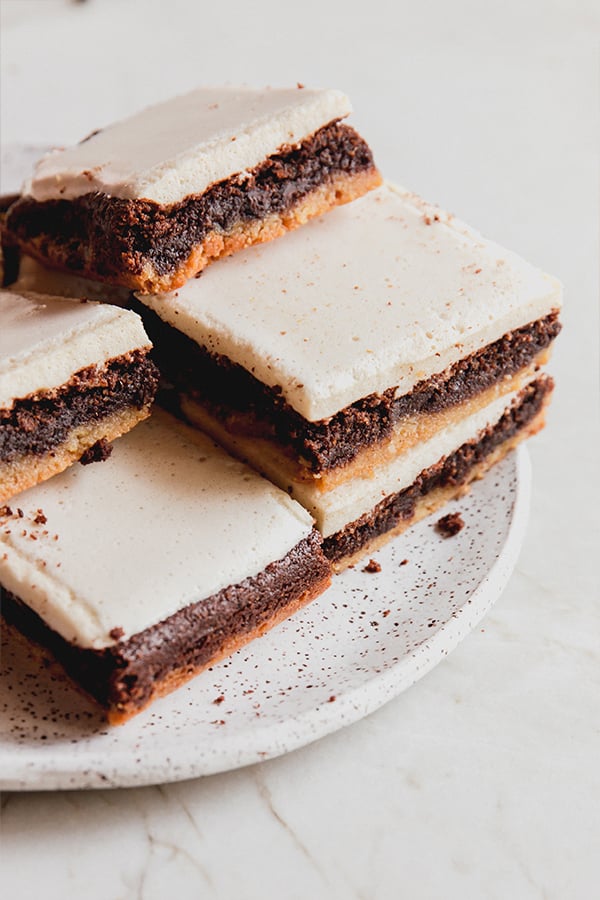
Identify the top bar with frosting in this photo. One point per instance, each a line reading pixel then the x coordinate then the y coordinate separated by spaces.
pixel 147 202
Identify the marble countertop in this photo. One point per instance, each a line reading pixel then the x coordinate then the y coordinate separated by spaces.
pixel 482 780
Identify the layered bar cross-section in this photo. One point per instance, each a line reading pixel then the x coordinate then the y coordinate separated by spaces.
pixel 148 202
pixel 361 353
pixel 73 374
pixel 146 569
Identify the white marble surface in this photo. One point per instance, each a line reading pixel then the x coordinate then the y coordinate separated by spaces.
pixel 482 781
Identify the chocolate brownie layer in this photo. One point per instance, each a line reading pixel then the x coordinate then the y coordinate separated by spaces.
pixel 9 251
pixel 125 677
pixel 115 239
pixel 6 201
pixel 246 406
pixel 42 421
pixel 455 470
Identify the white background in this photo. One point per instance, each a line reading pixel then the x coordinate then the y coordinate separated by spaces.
pixel 482 781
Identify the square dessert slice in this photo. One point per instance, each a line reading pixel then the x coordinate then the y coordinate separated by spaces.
pixel 194 555
pixel 148 202
pixel 357 348
pixel 72 374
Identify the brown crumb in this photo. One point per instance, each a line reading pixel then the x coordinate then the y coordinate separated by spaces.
pixel 5 511
pixel 219 700
pixel 40 518
pixel 404 562
pixel 372 566
pixel 385 613
pixel 450 525
pixel 116 633
pixel 332 699
pixel 98 452
pixel 299 85
pixel 20 513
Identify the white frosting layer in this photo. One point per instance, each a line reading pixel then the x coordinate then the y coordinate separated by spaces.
pixel 167 520
pixel 184 145
pixel 44 340
pixel 365 298
pixel 346 503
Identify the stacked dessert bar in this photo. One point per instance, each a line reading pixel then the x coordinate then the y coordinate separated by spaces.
pixel 370 364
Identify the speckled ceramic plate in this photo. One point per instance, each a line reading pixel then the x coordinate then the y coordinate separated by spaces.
pixel 370 636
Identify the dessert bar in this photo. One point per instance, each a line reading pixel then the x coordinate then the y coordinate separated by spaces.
pixel 148 202
pixel 72 374
pixel 147 569
pixel 354 359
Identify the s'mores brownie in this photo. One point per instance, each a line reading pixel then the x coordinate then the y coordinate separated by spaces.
pixel 148 202
pixel 371 364
pixel 193 555
pixel 73 377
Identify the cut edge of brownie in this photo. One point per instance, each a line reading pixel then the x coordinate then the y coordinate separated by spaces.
pixel 44 433
pixel 447 479
pixel 127 676
pixel 245 407
pixel 153 248
pixel 41 421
